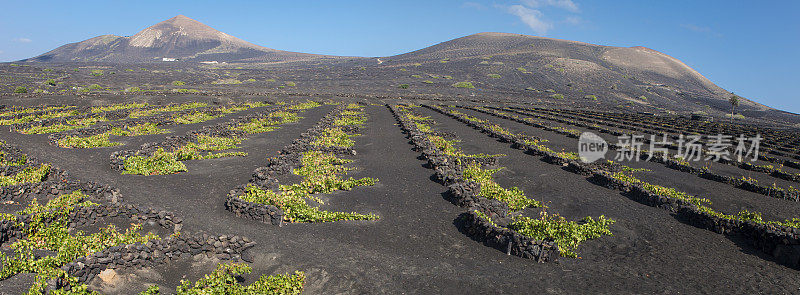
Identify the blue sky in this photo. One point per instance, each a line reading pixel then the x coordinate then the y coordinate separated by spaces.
pixel 749 47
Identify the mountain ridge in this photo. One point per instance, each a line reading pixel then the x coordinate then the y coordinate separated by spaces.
pixel 626 73
pixel 179 37
pixel 622 75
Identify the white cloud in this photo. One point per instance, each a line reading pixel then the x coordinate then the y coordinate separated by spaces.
pixel 531 17
pixel 565 4
pixel 530 13
pixel 1 52
pixel 22 40
pixel 573 20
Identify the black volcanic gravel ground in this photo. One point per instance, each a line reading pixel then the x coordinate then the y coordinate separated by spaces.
pixel 650 249
pixel 724 197
pixel 415 246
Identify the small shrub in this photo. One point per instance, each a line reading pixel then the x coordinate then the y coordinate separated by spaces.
pixel 322 173
pixel 159 163
pixel 138 130
pixel 48 230
pixel 291 84
pixel 448 77
pixel 643 97
pixel 463 85
pixel 229 81
pixel 350 120
pixel 21 89
pixel 50 82
pixel 12 161
pixel 514 197
pixel 184 90
pixel 550 91
pixel 251 80
pixel 178 83
pixel 95 141
pixel 334 137
pixel 70 125
pixel 195 117
pixel 568 234
pixel 403 86
pixel 166 109
pixel 427 82
pixel 267 124
pixel 27 175
pixel 223 281
pixel 95 87
pixel 416 76
pixel 97 73
pixel 590 97
pixel 133 89
pixel 494 76
pixel 557 96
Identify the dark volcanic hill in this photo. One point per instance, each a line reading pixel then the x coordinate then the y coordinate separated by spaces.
pixel 510 66
pixel 620 75
pixel 179 37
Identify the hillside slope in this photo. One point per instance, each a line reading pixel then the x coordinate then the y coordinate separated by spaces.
pixel 179 37
pixel 630 78
pixel 619 75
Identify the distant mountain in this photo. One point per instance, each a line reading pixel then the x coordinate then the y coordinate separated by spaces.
pixel 620 75
pixel 624 77
pixel 179 37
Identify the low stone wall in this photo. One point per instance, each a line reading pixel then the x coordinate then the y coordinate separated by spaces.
pixel 164 119
pixel 83 113
pixel 172 143
pixel 42 109
pixel 781 242
pixel 467 194
pixel 508 240
pixel 156 252
pixel 287 160
pixel 259 212
pixel 791 195
pixel 110 203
